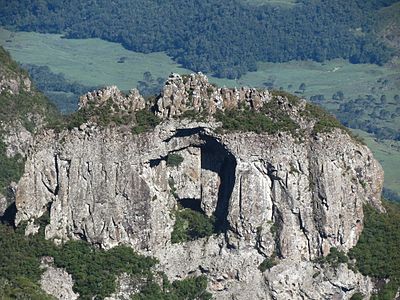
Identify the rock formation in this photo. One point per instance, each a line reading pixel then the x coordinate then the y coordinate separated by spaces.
pixel 293 195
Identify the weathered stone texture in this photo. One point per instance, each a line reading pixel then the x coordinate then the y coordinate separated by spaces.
pixel 271 193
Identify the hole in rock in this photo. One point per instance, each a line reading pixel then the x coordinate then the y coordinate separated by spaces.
pixel 216 158
pixel 217 180
pixel 193 204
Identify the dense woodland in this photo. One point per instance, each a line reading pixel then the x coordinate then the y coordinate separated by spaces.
pixel 225 38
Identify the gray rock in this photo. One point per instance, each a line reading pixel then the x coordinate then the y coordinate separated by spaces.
pixel 269 193
pixel 57 282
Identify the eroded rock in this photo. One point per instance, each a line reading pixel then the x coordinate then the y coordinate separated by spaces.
pixel 270 193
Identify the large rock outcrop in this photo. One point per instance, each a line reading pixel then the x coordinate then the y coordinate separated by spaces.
pixel 294 195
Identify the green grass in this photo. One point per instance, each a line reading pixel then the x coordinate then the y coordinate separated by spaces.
pixel 89 61
pixel 94 62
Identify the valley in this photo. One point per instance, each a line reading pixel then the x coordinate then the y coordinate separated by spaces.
pixel 94 62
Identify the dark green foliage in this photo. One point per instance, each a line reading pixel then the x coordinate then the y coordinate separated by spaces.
pixel 325 122
pixel 267 264
pixel 357 296
pixel 23 107
pixel 109 114
pixel 190 225
pixel 317 30
pixel 174 159
pixel 189 288
pixel 377 252
pixel 145 121
pixel 51 84
pixel 334 258
pixel 93 270
pixel 11 169
pixel 22 288
pixel 249 120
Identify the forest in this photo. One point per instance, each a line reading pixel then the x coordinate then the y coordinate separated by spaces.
pixel 224 38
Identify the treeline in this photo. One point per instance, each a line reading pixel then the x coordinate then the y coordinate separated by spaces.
pixel 93 270
pixel 62 92
pixel 371 114
pixel 221 37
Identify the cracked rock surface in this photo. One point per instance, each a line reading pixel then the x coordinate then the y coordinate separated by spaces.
pixel 271 193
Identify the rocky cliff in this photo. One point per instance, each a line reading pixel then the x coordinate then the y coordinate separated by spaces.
pixel 291 190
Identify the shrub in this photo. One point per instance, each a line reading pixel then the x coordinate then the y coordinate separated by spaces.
pixel 189 288
pixel 357 296
pixel 334 258
pixel 191 225
pixel 11 169
pixel 174 159
pixel 145 121
pixel 267 264
pixel 94 270
pixel 377 252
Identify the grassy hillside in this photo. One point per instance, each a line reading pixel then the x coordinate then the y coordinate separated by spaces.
pixel 91 62
pixel 222 37
pixel 96 62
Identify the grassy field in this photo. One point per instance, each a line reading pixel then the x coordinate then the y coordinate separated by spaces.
pixel 89 61
pixel 95 62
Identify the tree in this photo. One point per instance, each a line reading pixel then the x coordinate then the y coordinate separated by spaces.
pixel 302 87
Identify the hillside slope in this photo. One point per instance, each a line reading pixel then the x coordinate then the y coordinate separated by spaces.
pixel 196 34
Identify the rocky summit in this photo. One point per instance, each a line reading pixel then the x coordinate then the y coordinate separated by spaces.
pixel 283 183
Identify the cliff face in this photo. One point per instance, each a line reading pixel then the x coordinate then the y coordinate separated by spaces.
pixel 23 110
pixel 290 194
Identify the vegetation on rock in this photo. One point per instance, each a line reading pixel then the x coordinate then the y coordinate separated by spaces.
pixel 11 168
pixel 377 252
pixel 93 270
pixel 334 258
pixel 29 108
pixel 267 264
pixel 258 122
pixel 174 159
pixel 145 121
pixel 191 225
pixel 190 288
